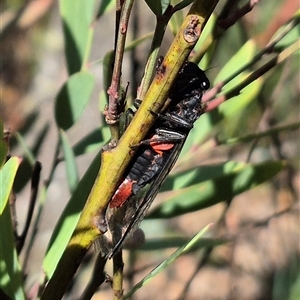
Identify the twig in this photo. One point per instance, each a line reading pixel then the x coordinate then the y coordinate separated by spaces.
pixel 161 24
pixel 279 58
pixel 229 15
pixel 42 199
pixel 134 61
pixel 258 135
pixel 237 14
pixel 268 49
pixel 98 277
pixel 118 276
pixel 112 114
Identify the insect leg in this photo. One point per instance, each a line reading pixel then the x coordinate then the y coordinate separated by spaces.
pixel 163 136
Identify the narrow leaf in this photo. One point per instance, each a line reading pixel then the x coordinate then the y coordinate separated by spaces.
pixel 216 190
pixel 175 242
pixel 158 7
pixel 7 176
pixel 227 110
pixel 77 17
pixel 73 98
pixel 69 218
pixel 241 58
pixel 30 153
pixel 10 271
pixel 71 166
pixel 92 141
pixel 183 4
pixel 3 145
pixel 10 274
pixel 199 174
pixel 105 6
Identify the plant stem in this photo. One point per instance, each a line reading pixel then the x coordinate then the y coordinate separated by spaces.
pixel 268 49
pixel 112 114
pixel 279 58
pixel 161 24
pixel 118 276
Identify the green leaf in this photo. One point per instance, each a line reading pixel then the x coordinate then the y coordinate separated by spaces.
pixel 77 17
pixel 3 152
pixel 216 190
pixel 158 6
pixel 30 154
pixel 199 174
pixel 286 280
pixel 10 273
pixel 205 36
pixel 292 36
pixel 3 145
pixel 176 21
pixel 295 288
pixel 241 58
pixel 175 242
pixel 108 61
pixel 133 44
pixel 92 141
pixel 105 6
pixel 1 130
pixel 7 176
pixel 182 4
pixel 71 166
pixel 227 111
pixel 73 98
pixel 184 249
pixel 69 218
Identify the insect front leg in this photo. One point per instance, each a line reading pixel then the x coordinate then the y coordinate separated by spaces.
pixel 164 136
pixel 130 112
pixel 174 119
pixel 129 116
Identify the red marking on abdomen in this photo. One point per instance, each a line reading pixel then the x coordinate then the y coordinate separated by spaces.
pixel 160 147
pixel 122 194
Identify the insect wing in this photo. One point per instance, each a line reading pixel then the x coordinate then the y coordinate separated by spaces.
pixel 140 211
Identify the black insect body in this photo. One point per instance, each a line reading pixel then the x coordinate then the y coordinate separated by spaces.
pixel 145 167
pixel 157 154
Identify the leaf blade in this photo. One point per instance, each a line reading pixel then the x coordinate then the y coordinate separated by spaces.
pixel 77 17
pixel 73 98
pixel 71 166
pixel 10 272
pixel 216 190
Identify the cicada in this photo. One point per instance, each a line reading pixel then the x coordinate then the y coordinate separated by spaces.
pixel 156 156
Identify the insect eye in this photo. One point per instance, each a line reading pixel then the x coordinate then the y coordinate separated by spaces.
pixel 205 84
